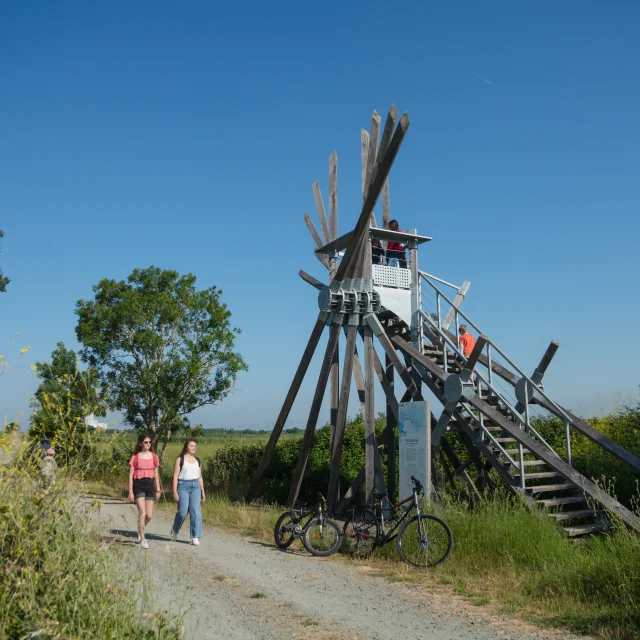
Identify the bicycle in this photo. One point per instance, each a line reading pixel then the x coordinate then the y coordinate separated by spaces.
pixel 423 540
pixel 320 535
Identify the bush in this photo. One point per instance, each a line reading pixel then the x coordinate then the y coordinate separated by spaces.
pixel 232 468
pixel 58 580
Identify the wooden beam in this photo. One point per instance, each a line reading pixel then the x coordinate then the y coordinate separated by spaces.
pixel 314 282
pixel 386 215
pixel 374 134
pixel 324 225
pixel 317 239
pixel 452 456
pixel 392 423
pixel 288 403
pixel 540 370
pixel 343 404
pixel 333 195
pixel 389 349
pixel 362 226
pixel 387 132
pixel 314 412
pixel 364 154
pixel 369 418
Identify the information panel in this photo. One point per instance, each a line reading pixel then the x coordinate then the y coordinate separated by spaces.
pixel 414 424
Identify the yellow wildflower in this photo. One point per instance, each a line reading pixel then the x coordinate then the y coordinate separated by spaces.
pixel 33 367
pixel 25 571
pixel 35 552
pixel 25 349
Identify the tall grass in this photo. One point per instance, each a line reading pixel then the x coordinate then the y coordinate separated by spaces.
pixel 57 579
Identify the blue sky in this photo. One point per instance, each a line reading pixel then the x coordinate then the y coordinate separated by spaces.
pixel 187 136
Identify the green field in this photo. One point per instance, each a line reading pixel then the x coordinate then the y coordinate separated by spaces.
pixel 208 445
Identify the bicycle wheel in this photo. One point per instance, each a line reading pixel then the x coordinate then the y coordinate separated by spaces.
pixel 361 533
pixel 322 538
pixel 286 529
pixel 425 541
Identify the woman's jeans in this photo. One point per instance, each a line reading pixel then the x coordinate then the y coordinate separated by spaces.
pixel 189 493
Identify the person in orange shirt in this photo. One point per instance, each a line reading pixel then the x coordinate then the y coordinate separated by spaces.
pixel 466 341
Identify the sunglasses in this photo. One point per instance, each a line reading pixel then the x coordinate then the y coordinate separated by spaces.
pixel 146 442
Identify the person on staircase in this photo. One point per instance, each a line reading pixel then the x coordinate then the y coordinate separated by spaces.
pixel 396 256
pixel 466 341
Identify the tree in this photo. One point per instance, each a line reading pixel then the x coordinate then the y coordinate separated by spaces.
pixel 3 281
pixel 64 398
pixel 163 347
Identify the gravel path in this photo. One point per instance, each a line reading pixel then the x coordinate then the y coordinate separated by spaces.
pixel 239 588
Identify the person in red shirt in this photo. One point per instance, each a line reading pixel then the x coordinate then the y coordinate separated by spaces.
pixel 467 341
pixel 395 250
pixel 143 479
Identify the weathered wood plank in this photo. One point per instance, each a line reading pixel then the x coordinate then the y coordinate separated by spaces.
pixel 309 279
pixel 314 412
pixel 374 134
pixel 387 132
pixel 369 417
pixel 333 195
pixel 389 349
pixel 287 404
pixel 316 239
pixel 341 418
pixel 386 215
pixel 392 423
pixel 324 225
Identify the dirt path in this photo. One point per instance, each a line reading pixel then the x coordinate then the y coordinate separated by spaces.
pixel 234 587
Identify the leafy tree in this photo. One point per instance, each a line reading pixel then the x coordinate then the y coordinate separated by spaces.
pixel 3 281
pixel 63 399
pixel 162 346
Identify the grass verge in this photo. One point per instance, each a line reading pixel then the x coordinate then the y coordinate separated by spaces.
pixel 57 580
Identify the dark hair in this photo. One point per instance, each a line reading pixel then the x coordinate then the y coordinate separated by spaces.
pixel 141 438
pixel 392 221
pixel 185 446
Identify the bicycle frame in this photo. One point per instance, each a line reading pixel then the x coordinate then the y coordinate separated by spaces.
pixel 397 521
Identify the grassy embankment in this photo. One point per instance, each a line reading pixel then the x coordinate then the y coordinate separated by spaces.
pixel 58 579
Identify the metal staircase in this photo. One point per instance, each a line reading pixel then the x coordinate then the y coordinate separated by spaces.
pixel 494 405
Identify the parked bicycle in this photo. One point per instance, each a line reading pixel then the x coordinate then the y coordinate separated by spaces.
pixel 423 540
pixel 320 535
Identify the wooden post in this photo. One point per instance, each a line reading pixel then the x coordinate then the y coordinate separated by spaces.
pixel 336 444
pixel 321 213
pixel 314 412
pixel 288 403
pixel 392 471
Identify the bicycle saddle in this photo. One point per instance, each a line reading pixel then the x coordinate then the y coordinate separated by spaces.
pixel 299 504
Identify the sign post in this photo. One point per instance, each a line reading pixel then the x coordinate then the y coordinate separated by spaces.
pixel 414 424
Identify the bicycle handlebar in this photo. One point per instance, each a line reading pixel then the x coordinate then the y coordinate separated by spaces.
pixel 417 483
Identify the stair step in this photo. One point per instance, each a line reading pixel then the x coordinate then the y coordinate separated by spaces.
pixel 553 502
pixel 515 452
pixel 493 428
pixel 501 440
pixel 576 514
pixel 541 474
pixel 533 463
pixel 593 527
pixel 544 488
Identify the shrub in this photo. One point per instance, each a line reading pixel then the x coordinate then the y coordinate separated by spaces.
pixel 231 469
pixel 59 581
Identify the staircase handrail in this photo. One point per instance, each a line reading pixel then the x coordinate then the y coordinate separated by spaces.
pixel 495 346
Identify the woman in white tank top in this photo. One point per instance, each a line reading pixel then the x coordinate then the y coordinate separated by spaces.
pixel 188 492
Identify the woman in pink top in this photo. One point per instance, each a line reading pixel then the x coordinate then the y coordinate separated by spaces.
pixel 143 479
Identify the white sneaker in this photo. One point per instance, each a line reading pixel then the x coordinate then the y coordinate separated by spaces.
pixel 144 544
pixel 195 541
pixel 139 538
